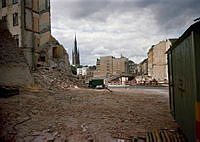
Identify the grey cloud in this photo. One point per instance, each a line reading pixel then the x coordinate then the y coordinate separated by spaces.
pixel 167 12
pixel 80 8
pixel 177 14
pixel 128 26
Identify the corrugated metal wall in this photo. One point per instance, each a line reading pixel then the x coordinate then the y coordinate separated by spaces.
pixel 184 79
pixel 197 65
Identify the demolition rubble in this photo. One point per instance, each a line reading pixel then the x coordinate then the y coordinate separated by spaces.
pixel 55 79
pixel 15 72
pixel 82 115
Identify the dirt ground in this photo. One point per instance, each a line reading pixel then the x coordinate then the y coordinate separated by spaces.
pixel 84 115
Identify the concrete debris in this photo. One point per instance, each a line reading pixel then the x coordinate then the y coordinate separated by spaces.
pixel 14 70
pixel 9 51
pixel 76 87
pixel 55 79
pixel 84 127
pixel 79 115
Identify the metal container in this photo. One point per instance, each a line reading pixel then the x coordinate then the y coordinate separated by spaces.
pixel 96 83
pixel 184 81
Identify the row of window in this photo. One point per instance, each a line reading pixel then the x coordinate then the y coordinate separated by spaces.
pixel 15 19
pixel 4 2
pixel 46 6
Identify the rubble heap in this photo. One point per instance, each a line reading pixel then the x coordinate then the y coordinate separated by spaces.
pixel 9 51
pixel 14 70
pixel 55 79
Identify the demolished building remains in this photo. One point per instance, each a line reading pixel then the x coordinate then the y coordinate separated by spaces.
pixel 29 23
pixel 14 70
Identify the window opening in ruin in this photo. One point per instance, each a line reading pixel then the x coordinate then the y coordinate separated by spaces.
pixel 3 3
pixel 55 52
pixel 42 58
pixel 15 19
pixel 4 18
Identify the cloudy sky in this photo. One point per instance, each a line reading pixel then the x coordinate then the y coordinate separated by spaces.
pixel 115 27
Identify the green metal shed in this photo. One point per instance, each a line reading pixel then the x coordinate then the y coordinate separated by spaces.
pixel 184 81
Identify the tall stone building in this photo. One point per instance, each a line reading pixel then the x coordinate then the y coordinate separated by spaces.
pixel 109 65
pixel 75 54
pixel 132 67
pixel 120 65
pixel 29 23
pixel 157 60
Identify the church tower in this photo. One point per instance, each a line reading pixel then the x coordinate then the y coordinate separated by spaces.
pixel 75 54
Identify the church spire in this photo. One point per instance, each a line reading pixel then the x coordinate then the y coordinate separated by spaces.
pixel 75 53
pixel 75 45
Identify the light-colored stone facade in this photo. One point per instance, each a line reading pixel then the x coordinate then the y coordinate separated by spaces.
pixel 109 65
pixel 106 65
pixel 120 65
pixel 157 60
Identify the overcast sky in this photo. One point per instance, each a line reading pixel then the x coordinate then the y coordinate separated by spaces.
pixel 115 27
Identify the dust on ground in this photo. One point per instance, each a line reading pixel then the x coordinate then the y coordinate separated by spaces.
pixel 82 115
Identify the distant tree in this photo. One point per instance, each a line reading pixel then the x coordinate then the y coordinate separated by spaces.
pixel 79 66
pixel 74 69
pixel 92 67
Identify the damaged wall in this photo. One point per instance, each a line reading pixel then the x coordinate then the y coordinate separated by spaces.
pixel 14 70
pixel 33 31
pixel 53 54
pixel 15 75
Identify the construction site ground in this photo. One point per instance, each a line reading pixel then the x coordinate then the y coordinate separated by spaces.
pixel 84 115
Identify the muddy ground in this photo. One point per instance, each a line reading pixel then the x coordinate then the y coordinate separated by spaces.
pixel 84 115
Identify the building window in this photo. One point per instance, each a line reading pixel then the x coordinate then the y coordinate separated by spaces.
pixel 3 3
pixel 4 18
pixel 15 1
pixel 42 59
pixel 15 19
pixel 55 52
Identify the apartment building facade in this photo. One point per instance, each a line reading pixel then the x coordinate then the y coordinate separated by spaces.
pixel 157 60
pixel 29 23
pixel 109 65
